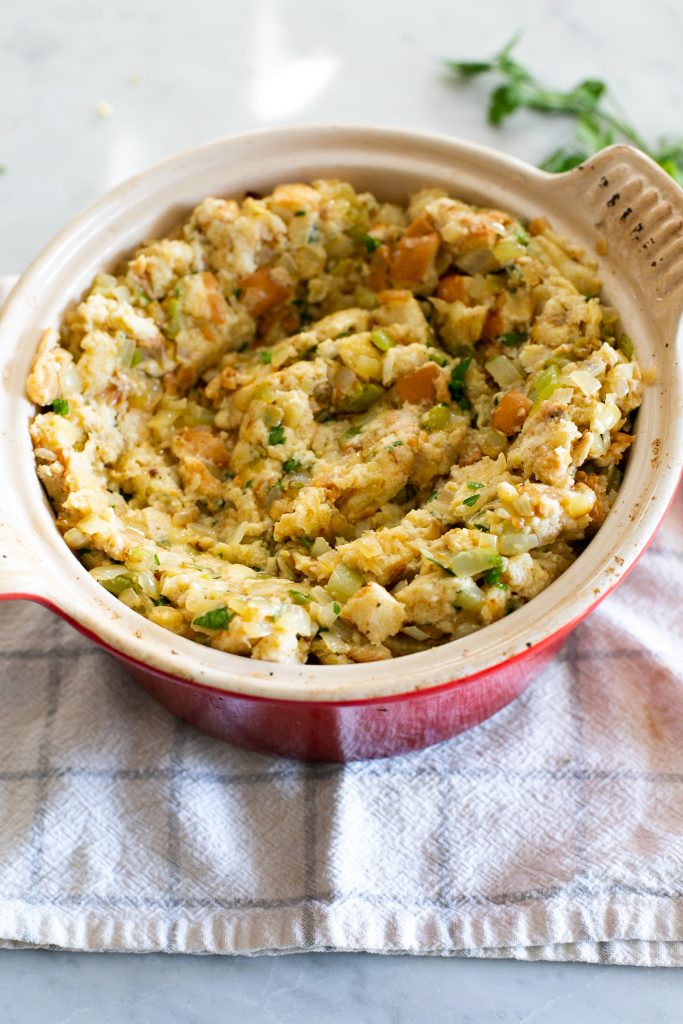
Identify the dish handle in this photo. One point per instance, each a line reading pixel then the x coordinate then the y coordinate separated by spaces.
pixel 18 575
pixel 636 208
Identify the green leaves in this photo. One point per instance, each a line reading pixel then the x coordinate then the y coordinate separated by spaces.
pixel 596 126
pixel 456 384
pixel 512 338
pixel 563 159
pixel 217 618
pixel 276 435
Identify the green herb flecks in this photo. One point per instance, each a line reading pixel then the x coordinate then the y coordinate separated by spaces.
pixel 370 243
pixel 472 500
pixel 266 357
pixel 596 124
pixel 291 465
pixel 276 435
pixel 512 338
pixel 60 406
pixel 298 597
pixel 493 575
pixel 456 384
pixel 217 618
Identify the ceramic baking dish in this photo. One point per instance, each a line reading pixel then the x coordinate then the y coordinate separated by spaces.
pixel 620 206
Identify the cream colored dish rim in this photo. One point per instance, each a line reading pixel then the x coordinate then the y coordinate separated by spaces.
pixel 620 205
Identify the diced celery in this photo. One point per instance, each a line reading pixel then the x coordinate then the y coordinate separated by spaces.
pixel 473 562
pixel 626 346
pixel 362 396
pixel 546 382
pixel 436 418
pixel 382 340
pixel 344 582
pixel 173 317
pixel 118 584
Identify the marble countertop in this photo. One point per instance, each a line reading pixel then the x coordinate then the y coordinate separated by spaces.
pixel 93 93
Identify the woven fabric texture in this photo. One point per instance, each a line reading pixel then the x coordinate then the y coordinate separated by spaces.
pixel 554 830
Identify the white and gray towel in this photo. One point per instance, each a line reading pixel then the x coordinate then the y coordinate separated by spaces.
pixel 553 831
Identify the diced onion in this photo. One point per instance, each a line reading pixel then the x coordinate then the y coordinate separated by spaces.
pixel 415 632
pixel 517 543
pixel 580 503
pixel 272 496
pixel 476 261
pixel 584 381
pixel 468 597
pixel 508 250
pixel 605 417
pixel 503 371
pixel 69 380
pixel 237 535
pixel 334 642
pixel 75 539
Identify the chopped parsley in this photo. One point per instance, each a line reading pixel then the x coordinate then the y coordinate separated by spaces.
pixel 307 542
pixel 472 500
pixel 60 406
pixel 248 484
pixel 482 527
pixel 291 465
pixel 394 444
pixel 299 213
pixel 217 618
pixel 435 561
pixel 160 600
pixel 493 575
pixel 512 338
pixel 156 559
pixel 276 435
pixel 266 357
pixel 298 597
pixel 336 607
pixel 370 243
pixel 456 384
pixel 432 496
pixel 474 485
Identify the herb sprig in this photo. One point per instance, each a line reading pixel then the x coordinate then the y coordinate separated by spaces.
pixel 596 125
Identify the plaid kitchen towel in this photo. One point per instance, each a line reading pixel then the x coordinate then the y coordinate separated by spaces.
pixel 554 830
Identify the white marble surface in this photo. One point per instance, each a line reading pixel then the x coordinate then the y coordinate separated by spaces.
pixel 175 74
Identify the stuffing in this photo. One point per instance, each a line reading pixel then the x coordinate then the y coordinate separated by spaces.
pixel 317 427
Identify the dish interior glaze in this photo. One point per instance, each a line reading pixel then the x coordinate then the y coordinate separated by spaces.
pixel 314 426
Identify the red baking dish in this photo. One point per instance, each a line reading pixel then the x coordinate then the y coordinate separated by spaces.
pixel 620 205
